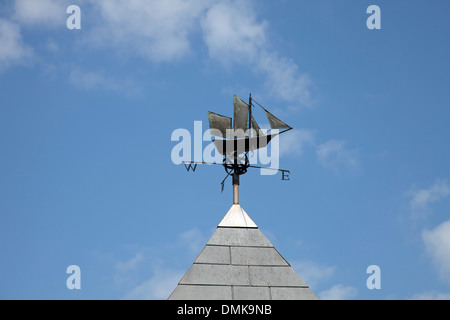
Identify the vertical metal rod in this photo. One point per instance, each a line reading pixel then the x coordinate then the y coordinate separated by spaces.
pixel 235 188
pixel 250 114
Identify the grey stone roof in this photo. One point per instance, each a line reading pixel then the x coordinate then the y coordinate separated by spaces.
pixel 240 263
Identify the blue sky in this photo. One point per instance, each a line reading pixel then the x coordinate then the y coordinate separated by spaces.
pixel 86 175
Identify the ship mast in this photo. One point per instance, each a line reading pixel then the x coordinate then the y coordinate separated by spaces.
pixel 235 173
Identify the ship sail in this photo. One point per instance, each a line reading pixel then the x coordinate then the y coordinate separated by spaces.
pixel 240 117
pixel 238 140
pixel 256 127
pixel 276 123
pixel 219 123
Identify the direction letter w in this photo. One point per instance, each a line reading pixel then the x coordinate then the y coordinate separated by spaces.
pixel 190 166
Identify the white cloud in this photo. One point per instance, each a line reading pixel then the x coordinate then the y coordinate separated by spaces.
pixel 312 272
pixel 334 156
pixel 421 199
pixel 294 141
pixel 145 276
pixel 193 239
pixel 233 34
pixel 156 30
pixel 163 31
pixel 283 79
pixel 13 51
pixel 431 295
pixel 88 80
pixel 339 292
pixel 126 272
pixel 158 287
pixel 131 264
pixel 41 12
pixel 437 245
pixel 52 46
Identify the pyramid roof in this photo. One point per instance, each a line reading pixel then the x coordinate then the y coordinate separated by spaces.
pixel 240 263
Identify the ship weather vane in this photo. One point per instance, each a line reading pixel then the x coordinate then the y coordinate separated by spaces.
pixel 234 142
